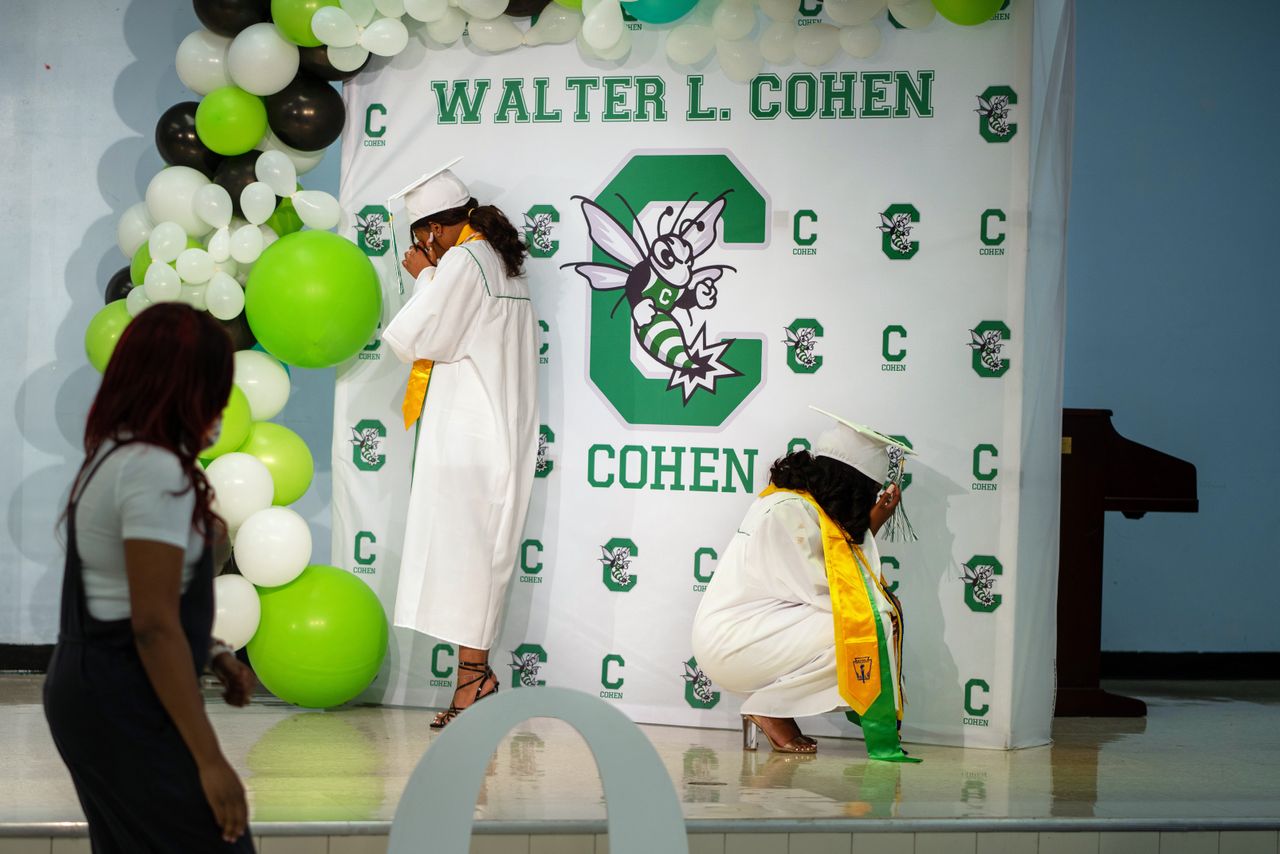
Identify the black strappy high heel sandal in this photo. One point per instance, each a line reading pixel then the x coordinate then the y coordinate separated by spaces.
pixel 485 671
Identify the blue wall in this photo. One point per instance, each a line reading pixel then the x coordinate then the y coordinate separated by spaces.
pixel 1173 302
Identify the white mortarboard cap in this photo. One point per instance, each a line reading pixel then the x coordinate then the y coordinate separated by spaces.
pixel 858 446
pixel 438 190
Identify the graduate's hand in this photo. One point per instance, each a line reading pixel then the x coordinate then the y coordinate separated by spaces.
pixel 237 679
pixel 416 259
pixel 884 507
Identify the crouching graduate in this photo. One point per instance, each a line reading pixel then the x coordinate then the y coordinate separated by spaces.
pixel 797 615
pixel 470 333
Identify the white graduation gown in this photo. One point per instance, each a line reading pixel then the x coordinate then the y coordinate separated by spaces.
pixel 477 443
pixel 765 627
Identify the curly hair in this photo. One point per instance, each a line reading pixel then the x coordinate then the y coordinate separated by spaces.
pixel 844 493
pixel 492 223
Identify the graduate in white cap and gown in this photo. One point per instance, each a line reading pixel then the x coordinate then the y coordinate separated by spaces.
pixel 797 616
pixel 470 332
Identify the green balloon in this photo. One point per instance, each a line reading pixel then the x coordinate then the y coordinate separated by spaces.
pixel 285 220
pixel 967 13
pixel 293 19
pixel 285 455
pixel 142 260
pixel 321 639
pixel 104 331
pixel 313 299
pixel 236 423
pixel 231 121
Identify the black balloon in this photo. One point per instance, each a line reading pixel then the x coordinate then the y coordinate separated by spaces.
pixel 241 335
pixel 119 285
pixel 307 114
pixel 525 8
pixel 229 17
pixel 236 173
pixel 315 61
pixel 177 142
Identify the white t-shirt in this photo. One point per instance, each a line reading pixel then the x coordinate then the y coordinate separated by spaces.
pixel 132 497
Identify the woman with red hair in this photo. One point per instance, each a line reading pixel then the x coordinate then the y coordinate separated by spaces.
pixel 122 696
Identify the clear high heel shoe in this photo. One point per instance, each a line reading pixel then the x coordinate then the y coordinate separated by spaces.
pixel 751 731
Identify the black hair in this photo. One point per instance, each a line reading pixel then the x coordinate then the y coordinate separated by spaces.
pixel 489 221
pixel 844 493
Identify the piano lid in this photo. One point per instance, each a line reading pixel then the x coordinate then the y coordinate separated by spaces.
pixel 1137 479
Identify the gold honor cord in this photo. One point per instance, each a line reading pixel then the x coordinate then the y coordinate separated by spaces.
pixel 415 393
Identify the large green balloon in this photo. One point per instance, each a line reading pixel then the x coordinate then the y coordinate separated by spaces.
pixel 285 455
pixel 321 639
pixel 285 219
pixel 313 299
pixel 293 19
pixel 967 13
pixel 142 260
pixel 231 121
pixel 236 423
pixel 104 331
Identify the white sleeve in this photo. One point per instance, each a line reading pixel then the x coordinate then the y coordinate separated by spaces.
pixel 437 321
pixel 149 493
pixel 787 547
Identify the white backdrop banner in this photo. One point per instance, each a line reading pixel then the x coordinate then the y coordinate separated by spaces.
pixel 869 257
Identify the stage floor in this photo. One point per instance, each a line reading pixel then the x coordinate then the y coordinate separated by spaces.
pixel 1206 758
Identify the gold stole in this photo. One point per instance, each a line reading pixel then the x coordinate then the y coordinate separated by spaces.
pixel 415 393
pixel 853 609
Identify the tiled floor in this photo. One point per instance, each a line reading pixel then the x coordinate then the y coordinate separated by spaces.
pixel 1206 751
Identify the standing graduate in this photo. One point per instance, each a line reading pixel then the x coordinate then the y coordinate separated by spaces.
pixel 470 332
pixel 797 615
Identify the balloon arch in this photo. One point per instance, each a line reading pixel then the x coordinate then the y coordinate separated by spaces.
pixel 227 228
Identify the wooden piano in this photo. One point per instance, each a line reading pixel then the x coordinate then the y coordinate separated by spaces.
pixel 1101 471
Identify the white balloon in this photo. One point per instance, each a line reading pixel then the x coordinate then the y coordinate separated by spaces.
pixel 242 486
pixel 739 60
pixel 483 10
pixel 258 200
pixel 914 14
pixel 303 161
pixel 247 244
pixel 202 62
pixel 613 53
pixel 851 13
pixel 861 41
pixel 781 10
pixel 449 28
pixel 778 42
pixel 734 20
pixel 220 246
pixel 273 546
pixel 556 25
pixel 390 8
pixel 264 382
pixel 385 37
pixel 317 209
pixel 426 11
pixel 237 610
pixel 269 235
pixel 213 205
pixel 137 301
pixel 229 265
pixel 689 44
pixel 261 62
pixel 347 58
pixel 818 44
pixel 224 297
pixel 276 170
pixel 133 229
pixel 361 11
pixel 193 295
pixel 171 196
pixel 495 36
pixel 603 25
pixel 195 266
pixel 334 27
pixel 162 283
pixel 166 242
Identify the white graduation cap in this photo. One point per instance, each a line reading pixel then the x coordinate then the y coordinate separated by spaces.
pixel 858 446
pixel 436 191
